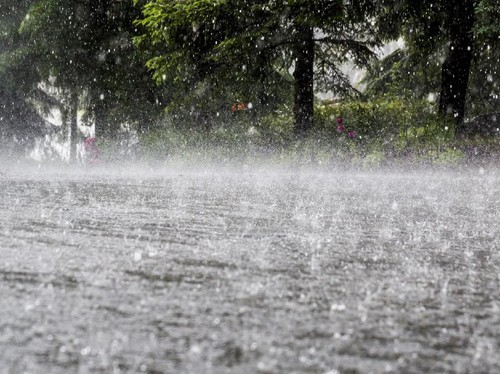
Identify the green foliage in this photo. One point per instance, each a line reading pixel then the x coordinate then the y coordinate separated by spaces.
pixel 86 47
pixel 19 123
pixel 246 49
pixel 449 157
pixel 387 131
pixel 428 28
pixel 404 74
pixel 206 55
pixel 415 70
pixel 488 14
pixel 395 125
pixel 484 92
pixel 205 44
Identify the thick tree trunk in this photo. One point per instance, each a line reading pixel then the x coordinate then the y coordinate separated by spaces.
pixel 304 77
pixel 456 67
pixel 73 127
pixel 100 120
pixel 263 90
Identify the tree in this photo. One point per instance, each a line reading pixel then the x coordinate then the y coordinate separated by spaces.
pixel 457 64
pixel 444 51
pixel 85 49
pixel 20 124
pixel 484 89
pixel 209 41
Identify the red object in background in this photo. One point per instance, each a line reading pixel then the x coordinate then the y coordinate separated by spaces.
pixel 89 143
pixel 238 107
pixel 92 152
pixel 339 120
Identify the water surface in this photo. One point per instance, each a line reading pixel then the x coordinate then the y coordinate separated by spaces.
pixel 249 271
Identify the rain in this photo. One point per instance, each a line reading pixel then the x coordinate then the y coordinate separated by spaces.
pixel 249 186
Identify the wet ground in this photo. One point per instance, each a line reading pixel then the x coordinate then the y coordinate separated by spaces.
pixel 249 271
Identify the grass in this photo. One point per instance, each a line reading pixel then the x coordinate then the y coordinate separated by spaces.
pixel 388 132
pixel 251 145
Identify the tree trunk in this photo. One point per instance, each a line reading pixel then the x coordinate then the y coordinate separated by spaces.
pixel 456 67
pixel 304 77
pixel 100 120
pixel 73 127
pixel 263 85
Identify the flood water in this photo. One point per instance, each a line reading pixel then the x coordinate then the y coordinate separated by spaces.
pixel 249 271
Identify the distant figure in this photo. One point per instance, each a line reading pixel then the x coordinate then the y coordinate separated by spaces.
pixel 92 152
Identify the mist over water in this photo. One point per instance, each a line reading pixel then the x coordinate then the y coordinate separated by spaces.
pixel 249 269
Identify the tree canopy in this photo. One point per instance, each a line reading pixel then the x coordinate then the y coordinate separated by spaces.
pixel 19 122
pixel 451 50
pixel 123 62
pixel 85 51
pixel 237 45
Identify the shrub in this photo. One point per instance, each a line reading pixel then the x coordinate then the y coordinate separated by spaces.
pixel 395 123
pixel 361 133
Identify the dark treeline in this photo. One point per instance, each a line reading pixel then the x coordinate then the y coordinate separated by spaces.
pixel 130 62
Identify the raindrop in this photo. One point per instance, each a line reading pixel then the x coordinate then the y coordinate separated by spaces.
pixel 332 371
pixel 337 307
pixel 85 351
pixel 195 349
